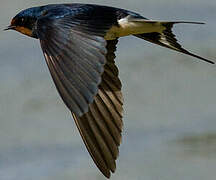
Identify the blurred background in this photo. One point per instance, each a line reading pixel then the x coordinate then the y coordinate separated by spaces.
pixel 170 117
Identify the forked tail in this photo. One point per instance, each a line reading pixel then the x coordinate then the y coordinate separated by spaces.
pixel 167 39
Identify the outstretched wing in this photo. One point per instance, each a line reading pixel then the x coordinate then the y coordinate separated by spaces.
pixel 75 54
pixel 101 127
pixel 82 66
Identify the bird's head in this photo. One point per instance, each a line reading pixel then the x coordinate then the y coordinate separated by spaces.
pixel 25 21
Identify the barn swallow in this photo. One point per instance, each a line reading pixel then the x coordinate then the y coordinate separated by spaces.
pixel 79 42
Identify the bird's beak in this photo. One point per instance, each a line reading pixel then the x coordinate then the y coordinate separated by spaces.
pixel 10 28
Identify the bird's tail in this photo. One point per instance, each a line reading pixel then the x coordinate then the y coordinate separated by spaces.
pixel 166 37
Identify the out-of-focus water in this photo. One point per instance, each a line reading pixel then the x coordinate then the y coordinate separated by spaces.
pixel 170 102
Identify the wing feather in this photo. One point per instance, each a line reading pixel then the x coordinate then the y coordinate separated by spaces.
pixel 82 66
pixel 77 60
pixel 104 118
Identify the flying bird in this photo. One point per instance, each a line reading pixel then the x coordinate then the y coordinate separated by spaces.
pixel 79 43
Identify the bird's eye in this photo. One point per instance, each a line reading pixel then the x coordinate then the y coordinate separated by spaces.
pixel 44 13
pixel 22 20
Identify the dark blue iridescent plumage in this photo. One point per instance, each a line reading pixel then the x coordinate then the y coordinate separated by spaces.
pixel 94 15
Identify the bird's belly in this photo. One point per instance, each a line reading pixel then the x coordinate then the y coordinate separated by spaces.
pixel 126 27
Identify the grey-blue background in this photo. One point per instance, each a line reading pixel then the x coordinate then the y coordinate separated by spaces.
pixel 170 102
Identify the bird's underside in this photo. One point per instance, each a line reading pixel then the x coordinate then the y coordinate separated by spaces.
pixel 79 42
